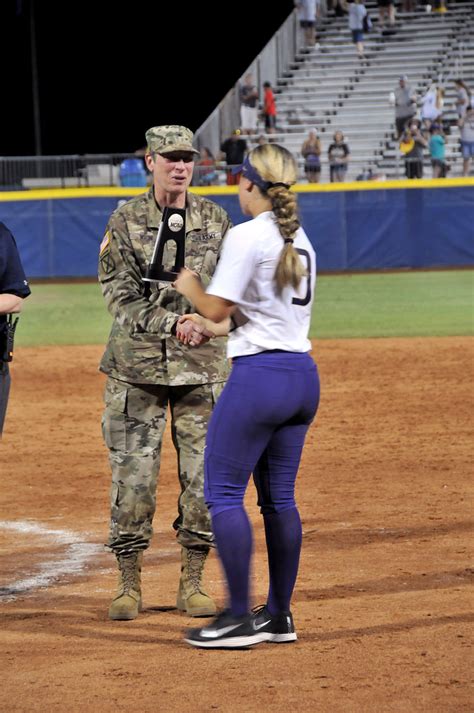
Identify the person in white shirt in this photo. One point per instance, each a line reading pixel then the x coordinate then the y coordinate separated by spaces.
pixel 432 105
pixel 264 288
pixel 357 12
pixel 308 12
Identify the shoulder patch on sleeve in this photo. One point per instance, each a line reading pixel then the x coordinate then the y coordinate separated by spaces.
pixel 105 243
pixel 107 262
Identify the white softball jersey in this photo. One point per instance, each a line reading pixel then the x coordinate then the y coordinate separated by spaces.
pixel 245 275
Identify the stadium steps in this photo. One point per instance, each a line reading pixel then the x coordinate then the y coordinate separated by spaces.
pixel 329 88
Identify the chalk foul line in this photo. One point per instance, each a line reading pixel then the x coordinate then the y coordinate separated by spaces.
pixel 70 562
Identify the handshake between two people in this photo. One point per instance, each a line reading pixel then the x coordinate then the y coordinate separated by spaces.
pixel 191 330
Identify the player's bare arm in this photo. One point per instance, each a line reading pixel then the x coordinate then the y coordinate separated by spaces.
pixel 210 306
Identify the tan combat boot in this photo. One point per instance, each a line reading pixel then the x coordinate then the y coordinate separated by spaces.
pixel 191 597
pixel 128 601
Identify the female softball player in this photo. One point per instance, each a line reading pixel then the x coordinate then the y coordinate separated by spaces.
pixel 265 283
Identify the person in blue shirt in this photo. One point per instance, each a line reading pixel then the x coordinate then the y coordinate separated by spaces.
pixel 13 290
pixel 437 147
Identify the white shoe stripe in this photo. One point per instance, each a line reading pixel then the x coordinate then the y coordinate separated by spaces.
pixel 214 633
pixel 282 638
pixel 233 642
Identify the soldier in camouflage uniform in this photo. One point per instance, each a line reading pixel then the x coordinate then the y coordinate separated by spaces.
pixel 148 370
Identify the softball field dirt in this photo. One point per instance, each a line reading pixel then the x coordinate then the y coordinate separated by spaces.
pixel 383 602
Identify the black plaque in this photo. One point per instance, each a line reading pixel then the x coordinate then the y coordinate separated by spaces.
pixel 172 228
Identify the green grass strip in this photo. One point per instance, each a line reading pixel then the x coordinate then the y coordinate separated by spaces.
pixel 399 304
pixel 438 303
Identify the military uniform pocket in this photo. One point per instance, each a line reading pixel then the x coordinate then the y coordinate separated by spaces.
pixel 114 418
pixel 202 251
pixel 115 395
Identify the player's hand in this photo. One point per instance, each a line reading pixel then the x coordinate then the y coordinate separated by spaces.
pixel 191 330
pixel 185 281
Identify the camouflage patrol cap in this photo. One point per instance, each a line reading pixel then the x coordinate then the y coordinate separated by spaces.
pixel 168 138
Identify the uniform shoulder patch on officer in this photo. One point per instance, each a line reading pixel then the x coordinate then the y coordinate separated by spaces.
pixel 105 243
pixel 108 263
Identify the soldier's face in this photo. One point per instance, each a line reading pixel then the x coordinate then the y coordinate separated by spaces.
pixel 172 172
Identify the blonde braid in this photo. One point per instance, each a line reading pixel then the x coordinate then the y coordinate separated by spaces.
pixel 276 165
pixel 289 270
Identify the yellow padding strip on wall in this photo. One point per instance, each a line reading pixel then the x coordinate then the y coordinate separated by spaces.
pixel 61 193
pixel 116 192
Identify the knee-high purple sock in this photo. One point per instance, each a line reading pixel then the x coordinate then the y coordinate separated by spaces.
pixel 233 534
pixel 283 534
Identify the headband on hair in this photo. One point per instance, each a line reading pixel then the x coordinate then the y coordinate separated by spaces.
pixel 250 172
pixel 279 183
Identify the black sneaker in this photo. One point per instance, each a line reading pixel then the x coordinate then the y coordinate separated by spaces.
pixel 226 632
pixel 276 628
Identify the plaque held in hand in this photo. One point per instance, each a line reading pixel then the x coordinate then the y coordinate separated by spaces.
pixel 172 229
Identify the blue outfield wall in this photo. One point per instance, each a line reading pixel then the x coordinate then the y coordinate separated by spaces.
pixel 352 226
pixel 380 229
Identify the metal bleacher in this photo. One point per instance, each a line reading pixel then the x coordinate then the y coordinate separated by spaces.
pixel 328 87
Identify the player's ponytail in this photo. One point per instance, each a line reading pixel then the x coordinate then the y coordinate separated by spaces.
pixel 278 169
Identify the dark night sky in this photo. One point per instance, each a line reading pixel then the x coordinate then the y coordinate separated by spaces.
pixel 106 74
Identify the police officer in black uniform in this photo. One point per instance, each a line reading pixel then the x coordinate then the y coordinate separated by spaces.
pixel 13 289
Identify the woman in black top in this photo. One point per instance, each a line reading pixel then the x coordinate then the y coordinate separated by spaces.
pixel 338 154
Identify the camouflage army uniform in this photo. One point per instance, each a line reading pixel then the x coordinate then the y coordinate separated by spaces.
pixel 148 369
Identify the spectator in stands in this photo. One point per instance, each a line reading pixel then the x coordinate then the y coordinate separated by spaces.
pixel 463 97
pixel 307 11
pixel 386 10
pixel 233 151
pixel 339 7
pixel 357 12
pixel 437 146
pixel 411 145
pixel 440 101
pixel 466 124
pixel 206 168
pixel 269 108
pixel 439 6
pixel 338 154
pixel 248 94
pixel 409 5
pixel 311 152
pixel 405 104
pixel 432 106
